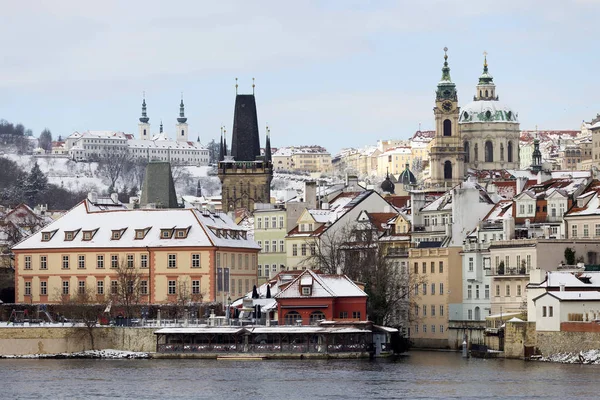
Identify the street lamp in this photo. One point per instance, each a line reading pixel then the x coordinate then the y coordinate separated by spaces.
pixel 228 309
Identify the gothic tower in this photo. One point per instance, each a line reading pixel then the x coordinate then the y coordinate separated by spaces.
pixel 446 156
pixel 245 175
pixel 144 125
pixel 181 128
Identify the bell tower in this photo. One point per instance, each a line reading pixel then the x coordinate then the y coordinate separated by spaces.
pixel 182 127
pixel 446 157
pixel 144 125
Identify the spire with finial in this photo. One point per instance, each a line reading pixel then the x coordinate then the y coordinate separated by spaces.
pixel 182 119
pixel 144 118
pixel 161 127
pixel 236 86
pixel 268 157
pixel 253 86
pixel 446 89
pixel 224 142
pixel 536 156
pixel 485 78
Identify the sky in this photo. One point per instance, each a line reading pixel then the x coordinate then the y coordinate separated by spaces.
pixel 331 73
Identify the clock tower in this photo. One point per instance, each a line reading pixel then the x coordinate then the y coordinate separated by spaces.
pixel 446 157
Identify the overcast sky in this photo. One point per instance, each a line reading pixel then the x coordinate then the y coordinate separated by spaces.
pixel 334 73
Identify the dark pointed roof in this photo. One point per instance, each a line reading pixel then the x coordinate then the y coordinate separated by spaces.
pixel 387 185
pixel 182 119
pixel 268 148
pixel 144 118
pixel 245 141
pixel 407 177
pixel 158 187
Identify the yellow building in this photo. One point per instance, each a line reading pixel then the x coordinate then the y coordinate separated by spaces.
pixel 437 272
pixel 394 160
pixel 302 158
pixel 177 252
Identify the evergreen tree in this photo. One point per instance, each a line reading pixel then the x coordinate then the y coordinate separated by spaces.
pixel 35 185
pixel 46 140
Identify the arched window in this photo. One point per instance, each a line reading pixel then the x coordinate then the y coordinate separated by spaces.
pixel 467 151
pixel 486 93
pixel 476 152
pixel 501 151
pixel 480 93
pixel 447 170
pixel 316 316
pixel 489 151
pixel 182 132
pixel 477 314
pixel 292 318
pixel 447 127
pixel 510 152
pixel 144 132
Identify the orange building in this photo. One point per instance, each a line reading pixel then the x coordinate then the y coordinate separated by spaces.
pixel 203 255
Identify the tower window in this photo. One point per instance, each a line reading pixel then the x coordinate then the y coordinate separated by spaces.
pixel 447 127
pixel 144 132
pixel 488 115
pixel 447 170
pixel 182 132
pixel 486 93
pixel 467 150
pixel 489 151
pixel 510 152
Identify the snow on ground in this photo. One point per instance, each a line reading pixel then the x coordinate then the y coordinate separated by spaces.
pixel 104 354
pixel 583 357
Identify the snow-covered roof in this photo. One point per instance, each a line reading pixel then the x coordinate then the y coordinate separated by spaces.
pixel 322 286
pixel 570 279
pixel 487 111
pixel 289 151
pixel 573 296
pixel 164 143
pixel 200 229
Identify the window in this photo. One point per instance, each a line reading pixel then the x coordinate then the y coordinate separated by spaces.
pixel 544 311
pixel 172 261
pixel 172 287
pixel 433 311
pixel 196 286
pixel 100 261
pixel 282 246
pixel 586 230
pixel 303 247
pixel 433 267
pixel 116 234
pixel 266 222
pixel 81 287
pixel 506 262
pixel 424 288
pixel 195 260
pixel 497 290
pixel 43 288
pixel 433 288
pixel 259 223
pixel 424 310
pixel 247 261
pixel 28 288
pixel 343 314
pixel 507 290
pixel 424 328
pixel 100 287
pixel 530 208
pixel 68 236
pixel 518 290
pixel 550 311
pixel 43 262
pixel 306 290
pixel 416 310
pixel 27 262
pixel 114 287
pixel 267 247
pixel 273 222
pixel 487 291
pixel 356 314
pixel 294 249
pixel 574 231
pixel 441 311
pixel 166 233
pixel 416 289
pixel 432 328
pixel 469 291
pixel 114 261
pixel 143 260
pixel 470 264
pixel 469 314
pixel 65 262
pixel 476 291
pixel 259 270
pixel 65 287
pixel 144 288
pixel 130 260
pixel 416 328
pixel 240 286
pixel 424 268
pixel 140 233
pixel 280 222
pixel 81 262
pixel 247 284
pixel 416 268
pixel 441 328
pixel 441 288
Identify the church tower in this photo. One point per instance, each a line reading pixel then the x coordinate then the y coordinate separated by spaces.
pixel 182 127
pixel 447 156
pixel 245 175
pixel 144 125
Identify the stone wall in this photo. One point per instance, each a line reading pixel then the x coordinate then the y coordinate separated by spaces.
pixel 50 340
pixel 567 342
pixel 517 335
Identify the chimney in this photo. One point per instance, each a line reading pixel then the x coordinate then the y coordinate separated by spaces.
pixel 562 287
pixel 114 197
pixel 310 194
pixel 93 197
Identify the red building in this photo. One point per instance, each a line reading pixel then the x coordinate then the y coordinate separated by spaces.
pixel 312 297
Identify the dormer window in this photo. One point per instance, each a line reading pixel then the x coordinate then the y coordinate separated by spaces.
pixel 89 235
pixel 117 233
pixel 70 235
pixel 306 290
pixel 166 233
pixel 244 235
pixel 182 233
pixel 141 233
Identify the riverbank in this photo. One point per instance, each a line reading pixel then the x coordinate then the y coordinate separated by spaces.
pixel 107 354
pixel 590 357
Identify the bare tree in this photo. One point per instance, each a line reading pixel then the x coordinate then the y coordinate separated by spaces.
pixel 113 164
pixel 186 297
pixel 82 307
pixel 128 290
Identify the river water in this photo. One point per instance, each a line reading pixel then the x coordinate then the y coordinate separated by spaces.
pixel 420 375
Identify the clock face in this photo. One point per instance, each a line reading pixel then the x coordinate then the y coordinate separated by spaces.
pixel 447 106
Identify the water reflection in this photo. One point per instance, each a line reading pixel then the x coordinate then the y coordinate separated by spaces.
pixel 419 375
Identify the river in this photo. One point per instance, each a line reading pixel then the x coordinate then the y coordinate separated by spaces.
pixel 420 375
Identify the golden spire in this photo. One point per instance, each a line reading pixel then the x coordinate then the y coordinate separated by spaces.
pixel 253 85
pixel 485 59
pixel 236 86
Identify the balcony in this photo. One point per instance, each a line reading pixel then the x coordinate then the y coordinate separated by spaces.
pixel 491 225
pixel 476 246
pixel 507 272
pixel 429 228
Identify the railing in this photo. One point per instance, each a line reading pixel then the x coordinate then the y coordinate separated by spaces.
pixel 429 228
pixel 264 348
pixel 506 271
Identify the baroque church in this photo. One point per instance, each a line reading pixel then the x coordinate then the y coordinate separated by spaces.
pixel 484 134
